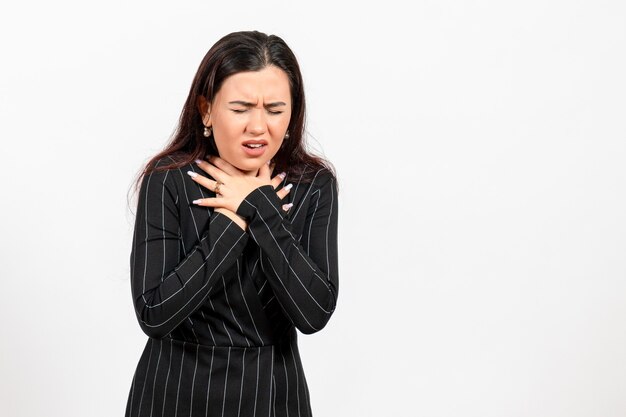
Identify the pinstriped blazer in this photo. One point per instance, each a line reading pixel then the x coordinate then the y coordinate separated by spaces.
pixel 221 305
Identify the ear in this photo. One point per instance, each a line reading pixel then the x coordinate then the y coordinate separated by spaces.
pixel 205 110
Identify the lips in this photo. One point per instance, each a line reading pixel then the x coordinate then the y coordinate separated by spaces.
pixel 254 147
pixel 254 143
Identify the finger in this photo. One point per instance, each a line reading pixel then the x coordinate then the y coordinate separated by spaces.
pixel 212 170
pixel 203 181
pixel 278 179
pixel 222 164
pixel 264 171
pixel 209 202
pixel 286 207
pixel 284 191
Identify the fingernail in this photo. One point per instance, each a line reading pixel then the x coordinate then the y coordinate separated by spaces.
pixel 196 201
pixel 282 175
pixel 288 186
pixel 287 206
pixel 192 174
pixel 198 161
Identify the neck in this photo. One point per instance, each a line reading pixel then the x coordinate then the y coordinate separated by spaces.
pixel 252 173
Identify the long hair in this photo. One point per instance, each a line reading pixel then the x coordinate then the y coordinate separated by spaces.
pixel 234 53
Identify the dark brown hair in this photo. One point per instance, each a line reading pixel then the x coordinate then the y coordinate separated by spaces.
pixel 238 52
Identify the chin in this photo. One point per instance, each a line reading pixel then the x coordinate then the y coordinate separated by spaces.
pixel 249 165
pixel 246 164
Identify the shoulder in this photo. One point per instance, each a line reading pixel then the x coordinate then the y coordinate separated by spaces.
pixel 321 186
pixel 164 173
pixel 312 177
pixel 324 179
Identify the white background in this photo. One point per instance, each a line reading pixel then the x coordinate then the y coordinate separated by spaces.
pixel 481 154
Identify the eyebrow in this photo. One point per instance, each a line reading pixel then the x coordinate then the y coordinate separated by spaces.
pixel 248 104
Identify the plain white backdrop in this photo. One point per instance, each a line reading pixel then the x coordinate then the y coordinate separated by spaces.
pixel 481 155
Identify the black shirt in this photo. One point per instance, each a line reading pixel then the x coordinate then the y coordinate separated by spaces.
pixel 220 305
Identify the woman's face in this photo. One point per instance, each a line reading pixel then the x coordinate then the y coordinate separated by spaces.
pixel 251 108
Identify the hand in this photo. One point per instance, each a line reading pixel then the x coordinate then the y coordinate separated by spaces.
pixel 237 219
pixel 236 185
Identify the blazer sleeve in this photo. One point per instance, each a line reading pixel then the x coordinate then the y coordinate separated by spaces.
pixel 303 273
pixel 165 288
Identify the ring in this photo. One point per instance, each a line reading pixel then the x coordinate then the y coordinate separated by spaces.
pixel 217 187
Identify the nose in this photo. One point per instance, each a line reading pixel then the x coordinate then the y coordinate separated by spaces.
pixel 257 124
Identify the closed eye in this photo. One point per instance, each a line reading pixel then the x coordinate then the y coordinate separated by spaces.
pixel 239 111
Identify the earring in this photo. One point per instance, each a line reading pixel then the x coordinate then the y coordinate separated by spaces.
pixel 207 131
pixel 287 135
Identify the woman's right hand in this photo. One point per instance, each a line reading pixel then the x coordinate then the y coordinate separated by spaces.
pixel 282 193
pixel 241 222
pixel 236 184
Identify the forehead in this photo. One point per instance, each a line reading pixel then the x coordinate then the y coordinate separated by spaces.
pixel 270 83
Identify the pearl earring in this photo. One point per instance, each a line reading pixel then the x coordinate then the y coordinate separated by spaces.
pixel 207 131
pixel 287 135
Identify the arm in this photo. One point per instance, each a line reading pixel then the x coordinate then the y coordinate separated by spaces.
pixel 165 288
pixel 303 276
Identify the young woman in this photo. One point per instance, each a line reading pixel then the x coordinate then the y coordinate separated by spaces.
pixel 228 259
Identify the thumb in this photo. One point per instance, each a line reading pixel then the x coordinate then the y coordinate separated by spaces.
pixel 265 170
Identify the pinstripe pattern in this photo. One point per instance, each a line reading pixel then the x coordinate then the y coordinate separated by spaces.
pixel 221 306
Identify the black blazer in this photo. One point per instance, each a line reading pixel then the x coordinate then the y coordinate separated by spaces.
pixel 221 305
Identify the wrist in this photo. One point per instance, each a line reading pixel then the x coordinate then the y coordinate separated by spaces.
pixel 240 221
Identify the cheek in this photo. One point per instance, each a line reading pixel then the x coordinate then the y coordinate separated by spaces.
pixel 227 129
pixel 279 125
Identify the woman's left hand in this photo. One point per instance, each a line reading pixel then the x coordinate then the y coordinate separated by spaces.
pixel 235 184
